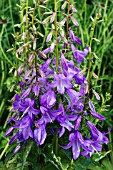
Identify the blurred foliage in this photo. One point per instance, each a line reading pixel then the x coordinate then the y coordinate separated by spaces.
pixel 103 67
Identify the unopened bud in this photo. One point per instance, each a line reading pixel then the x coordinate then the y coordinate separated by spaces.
pixel 74 21
pixel 92 18
pixel 34 44
pixel 96 95
pixel 53 17
pixel 49 37
pixel 34 29
pixel 95 76
pixel 46 20
pixel 73 8
pixel 61 23
pixel 23 36
pixel 64 5
pixel 97 40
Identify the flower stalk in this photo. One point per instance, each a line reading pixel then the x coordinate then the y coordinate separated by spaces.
pixel 27 24
pixel 89 59
pixel 55 23
pixel 35 43
pixel 67 22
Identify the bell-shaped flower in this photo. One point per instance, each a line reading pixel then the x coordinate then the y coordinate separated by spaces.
pixel 64 62
pixel 96 134
pixel 74 38
pixel 94 113
pixel 48 99
pixel 61 82
pixel 94 146
pixel 80 78
pixel 74 21
pixel 28 107
pixel 48 115
pixel 40 132
pixel 17 103
pixel 75 101
pixel 79 55
pixel 36 89
pixel 65 120
pixel 76 141
pixel 25 128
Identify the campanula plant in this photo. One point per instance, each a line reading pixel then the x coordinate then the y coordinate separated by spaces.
pixel 54 98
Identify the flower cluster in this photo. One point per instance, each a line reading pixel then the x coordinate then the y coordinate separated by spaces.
pixel 57 98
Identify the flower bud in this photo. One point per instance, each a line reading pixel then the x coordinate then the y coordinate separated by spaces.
pixel 53 17
pixel 49 37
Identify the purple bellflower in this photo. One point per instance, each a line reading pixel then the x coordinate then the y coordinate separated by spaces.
pixel 74 38
pixel 65 120
pixel 40 132
pixel 76 141
pixel 26 106
pixel 61 82
pixel 48 99
pixel 79 55
pixel 93 146
pixel 96 134
pixel 94 113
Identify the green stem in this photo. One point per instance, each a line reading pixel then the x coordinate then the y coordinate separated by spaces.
pixel 3 152
pixel 89 59
pixel 10 5
pixel 27 33
pixel 55 23
pixel 67 22
pixel 34 40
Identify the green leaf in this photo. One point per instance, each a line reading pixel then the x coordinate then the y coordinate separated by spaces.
pixel 97 157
